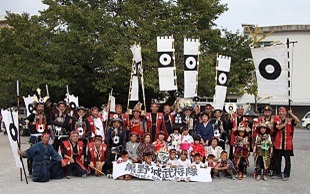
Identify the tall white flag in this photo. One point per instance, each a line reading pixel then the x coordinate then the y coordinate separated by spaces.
pixel 12 134
pixel 166 64
pixel 223 70
pixel 191 62
pixel 271 71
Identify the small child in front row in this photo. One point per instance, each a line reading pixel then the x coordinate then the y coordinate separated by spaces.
pixel 124 159
pixel 226 166
pixel 197 161
pixel 183 161
pixel 211 163
pixel 148 160
pixel 172 162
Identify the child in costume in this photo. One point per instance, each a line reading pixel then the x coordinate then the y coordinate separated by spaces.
pixel 174 139
pixel 197 147
pixel 262 151
pixel 241 151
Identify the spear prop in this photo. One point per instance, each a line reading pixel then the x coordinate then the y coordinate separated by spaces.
pixel 14 134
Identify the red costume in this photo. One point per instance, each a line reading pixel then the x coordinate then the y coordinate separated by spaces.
pixel 95 154
pixel 234 124
pixel 137 126
pixel 158 123
pixel 198 148
pixel 69 152
pixel 159 145
pixel 93 127
pixel 123 116
pixel 285 135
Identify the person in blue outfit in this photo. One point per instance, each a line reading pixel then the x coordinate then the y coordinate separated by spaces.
pixel 205 130
pixel 47 163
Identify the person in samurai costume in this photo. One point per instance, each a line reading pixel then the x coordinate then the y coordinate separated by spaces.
pixel 37 122
pixel 98 157
pixel 168 119
pixel 251 124
pixel 47 163
pixel 241 151
pixel 121 115
pixel 218 127
pixel 154 121
pixel 60 122
pixel 283 142
pixel 95 124
pixel 235 120
pixel 137 124
pixel 116 138
pixel 188 120
pixel 74 156
pixel 262 151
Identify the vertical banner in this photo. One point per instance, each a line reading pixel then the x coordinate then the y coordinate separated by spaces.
pixel 29 104
pixel 191 62
pixel 166 64
pixel 72 100
pixel 112 103
pixel 222 69
pixel 136 68
pixel 12 134
pixel 271 71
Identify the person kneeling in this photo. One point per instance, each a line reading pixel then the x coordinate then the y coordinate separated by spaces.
pixel 46 161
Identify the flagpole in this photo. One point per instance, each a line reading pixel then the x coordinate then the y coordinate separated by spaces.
pixel 289 72
pixel 17 96
pixel 142 82
pixel 130 83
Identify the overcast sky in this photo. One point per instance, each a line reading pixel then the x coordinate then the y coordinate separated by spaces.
pixel 260 12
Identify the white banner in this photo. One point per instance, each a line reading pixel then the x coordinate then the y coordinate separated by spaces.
pixel 143 171
pixel 112 103
pixel 166 64
pixel 271 71
pixel 7 118
pixel 134 90
pixel 73 100
pixel 191 62
pixel 223 70
pixel 29 104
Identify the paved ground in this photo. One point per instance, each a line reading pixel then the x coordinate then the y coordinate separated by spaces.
pixel 298 183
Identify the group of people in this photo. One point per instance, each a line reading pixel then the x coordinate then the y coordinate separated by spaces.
pixel 88 141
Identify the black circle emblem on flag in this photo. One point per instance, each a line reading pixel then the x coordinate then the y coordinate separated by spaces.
pixel 190 63
pixel 222 78
pixel 30 108
pixel 276 71
pixel 165 59
pixel 13 132
pixel 72 105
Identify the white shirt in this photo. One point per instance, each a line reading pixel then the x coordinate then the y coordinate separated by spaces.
pixel 197 165
pixel 172 162
pixel 185 163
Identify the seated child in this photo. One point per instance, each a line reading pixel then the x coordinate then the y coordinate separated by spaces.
pixel 172 162
pixel 211 163
pixel 124 159
pixel 148 159
pixel 197 161
pixel 197 147
pixel 183 161
pixel 174 139
pixel 225 167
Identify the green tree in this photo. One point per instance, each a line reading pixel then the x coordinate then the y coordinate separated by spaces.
pixel 85 44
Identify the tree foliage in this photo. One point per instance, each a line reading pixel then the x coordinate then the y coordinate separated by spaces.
pixel 86 45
